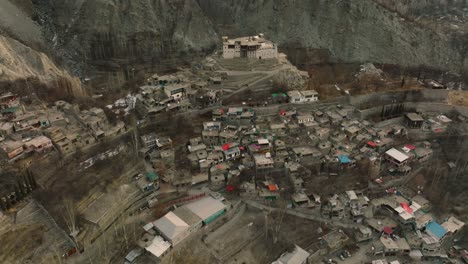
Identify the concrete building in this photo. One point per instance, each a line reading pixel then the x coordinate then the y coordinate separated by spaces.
pixel 194 222
pixel 453 225
pixel 413 120
pixel 39 144
pixel 297 256
pixel 263 162
pixel 207 209
pixel 423 154
pixel 335 240
pixel 334 208
pixel 363 234
pixel 436 231
pixel 396 157
pixel 388 246
pixel 149 140
pixel 210 137
pixel 176 91
pixel 158 247
pixel 252 47
pixel 297 97
pixel 172 228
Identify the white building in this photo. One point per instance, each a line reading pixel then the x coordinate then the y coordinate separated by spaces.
pixel 177 91
pixel 252 47
pixel 453 225
pixel 172 228
pixel 297 97
pixel 158 247
pixel 396 157
pixel 298 256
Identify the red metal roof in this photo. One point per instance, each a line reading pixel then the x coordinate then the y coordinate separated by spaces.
pixel 410 147
pixel 372 144
pixel 230 188
pixel 387 230
pixel 226 146
pixel 272 187
pixel 406 207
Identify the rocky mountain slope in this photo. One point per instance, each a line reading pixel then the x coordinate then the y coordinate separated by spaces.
pixel 350 31
pixel 111 39
pixel 121 36
pixel 19 61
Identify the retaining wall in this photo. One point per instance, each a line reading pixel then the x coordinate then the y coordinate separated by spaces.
pixel 378 99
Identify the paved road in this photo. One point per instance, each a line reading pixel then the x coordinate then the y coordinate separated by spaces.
pixel 311 216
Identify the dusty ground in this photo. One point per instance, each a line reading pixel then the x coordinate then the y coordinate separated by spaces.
pixel 324 77
pixel 247 238
pixel 31 236
pixel 13 245
pixel 458 98
pixel 237 233
pixel 291 230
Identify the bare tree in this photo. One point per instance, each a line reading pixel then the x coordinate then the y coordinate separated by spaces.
pixel 279 221
pixel 70 215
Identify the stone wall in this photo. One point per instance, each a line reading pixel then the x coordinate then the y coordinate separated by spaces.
pixel 378 99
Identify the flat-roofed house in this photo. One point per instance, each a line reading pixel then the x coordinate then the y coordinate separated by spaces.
pixel 176 91
pixel 302 96
pixel 158 247
pixel 396 157
pixel 413 120
pixel 263 162
pixel 297 256
pixel 310 95
pixel 39 144
pixel 453 225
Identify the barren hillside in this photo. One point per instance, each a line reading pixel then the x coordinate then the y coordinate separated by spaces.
pixel 110 41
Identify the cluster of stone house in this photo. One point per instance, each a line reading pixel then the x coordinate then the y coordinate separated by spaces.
pixel 178 92
pixel 238 139
pixel 436 123
pixel 399 224
pixel 408 227
pixel 34 128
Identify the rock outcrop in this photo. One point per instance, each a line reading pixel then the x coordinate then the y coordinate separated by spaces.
pixel 18 62
pixel 346 31
pixel 113 39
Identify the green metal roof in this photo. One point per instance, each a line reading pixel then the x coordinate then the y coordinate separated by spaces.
pixel 10 110
pixel 151 176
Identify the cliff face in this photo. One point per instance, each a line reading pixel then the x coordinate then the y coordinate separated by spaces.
pixel 348 31
pixel 115 35
pixel 20 40
pixel 163 33
pixel 426 7
pixel 110 40
pixel 18 62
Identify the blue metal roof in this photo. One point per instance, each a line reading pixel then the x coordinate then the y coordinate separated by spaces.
pixel 344 159
pixel 435 229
